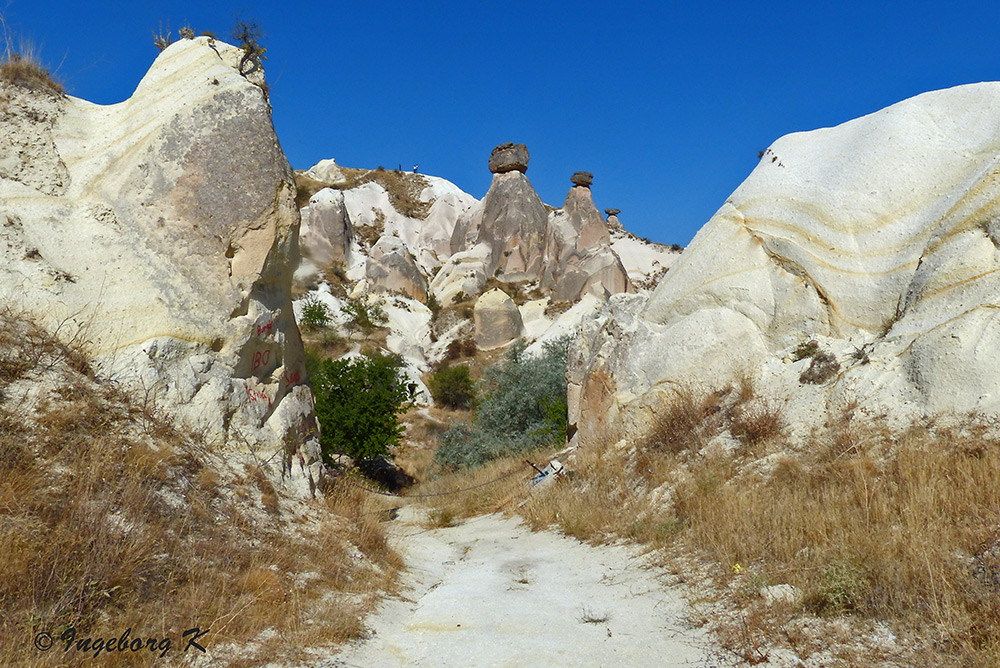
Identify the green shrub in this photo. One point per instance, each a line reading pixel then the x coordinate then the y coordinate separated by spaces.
pixel 358 402
pixel 523 407
pixel 451 386
pixel 433 304
pixel 364 315
pixel 315 314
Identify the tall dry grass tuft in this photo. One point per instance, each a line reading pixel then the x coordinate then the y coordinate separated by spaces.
pixel 864 523
pixel 109 522
pixel 868 526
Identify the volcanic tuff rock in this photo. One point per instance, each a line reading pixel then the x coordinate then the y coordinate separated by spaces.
pixel 513 225
pixel 497 320
pixel 391 268
pixel 164 229
pixel 460 247
pixel 326 233
pixel 584 179
pixel 509 157
pixel 878 239
pixel 578 251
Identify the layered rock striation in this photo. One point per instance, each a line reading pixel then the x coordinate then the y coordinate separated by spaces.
pixel 877 240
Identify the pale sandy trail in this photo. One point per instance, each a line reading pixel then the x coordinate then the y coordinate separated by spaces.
pixel 490 592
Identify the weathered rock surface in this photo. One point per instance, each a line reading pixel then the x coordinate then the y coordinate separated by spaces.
pixel 514 222
pixel 164 230
pixel 877 238
pixel 326 233
pixel 327 171
pixel 509 157
pixel 391 268
pixel 578 251
pixel 497 320
pixel 584 179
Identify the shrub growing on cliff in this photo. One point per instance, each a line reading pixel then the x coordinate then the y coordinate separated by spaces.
pixel 358 402
pixel 523 408
pixel 451 386
pixel 315 314
pixel 364 315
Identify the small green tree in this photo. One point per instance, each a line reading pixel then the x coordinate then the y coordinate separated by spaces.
pixel 358 402
pixel 364 315
pixel 315 314
pixel 451 386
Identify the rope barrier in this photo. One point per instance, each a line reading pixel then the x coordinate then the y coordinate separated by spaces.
pixel 427 496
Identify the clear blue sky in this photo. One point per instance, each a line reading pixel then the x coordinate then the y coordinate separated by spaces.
pixel 666 103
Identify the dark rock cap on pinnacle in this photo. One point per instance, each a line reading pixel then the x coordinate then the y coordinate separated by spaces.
pixel 509 157
pixel 582 179
pixel 612 212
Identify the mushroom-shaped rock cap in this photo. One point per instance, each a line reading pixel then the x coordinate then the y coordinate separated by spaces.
pixel 508 158
pixel 612 212
pixel 582 179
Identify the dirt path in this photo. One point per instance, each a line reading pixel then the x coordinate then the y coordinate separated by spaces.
pixel 489 592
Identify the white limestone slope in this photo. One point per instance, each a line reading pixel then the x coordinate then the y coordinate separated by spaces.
pixel 879 236
pixel 163 230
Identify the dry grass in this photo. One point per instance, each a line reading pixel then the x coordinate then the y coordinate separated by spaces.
pixel 404 188
pixel 870 527
pixel 110 518
pixel 26 71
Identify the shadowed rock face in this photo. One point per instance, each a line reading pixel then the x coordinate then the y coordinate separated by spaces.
pixel 326 231
pixel 391 268
pixel 578 251
pixel 168 234
pixel 876 238
pixel 514 222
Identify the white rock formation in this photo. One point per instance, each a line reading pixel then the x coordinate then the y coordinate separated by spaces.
pixel 878 238
pixel 326 233
pixel 163 230
pixel 327 171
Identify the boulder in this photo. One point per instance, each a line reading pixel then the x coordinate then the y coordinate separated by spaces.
pixel 163 231
pixel 612 212
pixel 509 157
pixel 497 320
pixel 584 179
pixel 391 268
pixel 878 235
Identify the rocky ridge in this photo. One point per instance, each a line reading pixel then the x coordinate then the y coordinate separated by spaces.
pixel 529 257
pixel 162 231
pixel 856 264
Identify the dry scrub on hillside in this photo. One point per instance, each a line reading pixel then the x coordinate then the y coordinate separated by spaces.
pixel 111 518
pixel 896 534
pixel 403 188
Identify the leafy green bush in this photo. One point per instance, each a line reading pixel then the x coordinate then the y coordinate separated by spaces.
pixel 523 407
pixel 315 315
pixel 364 315
pixel 451 386
pixel 358 402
